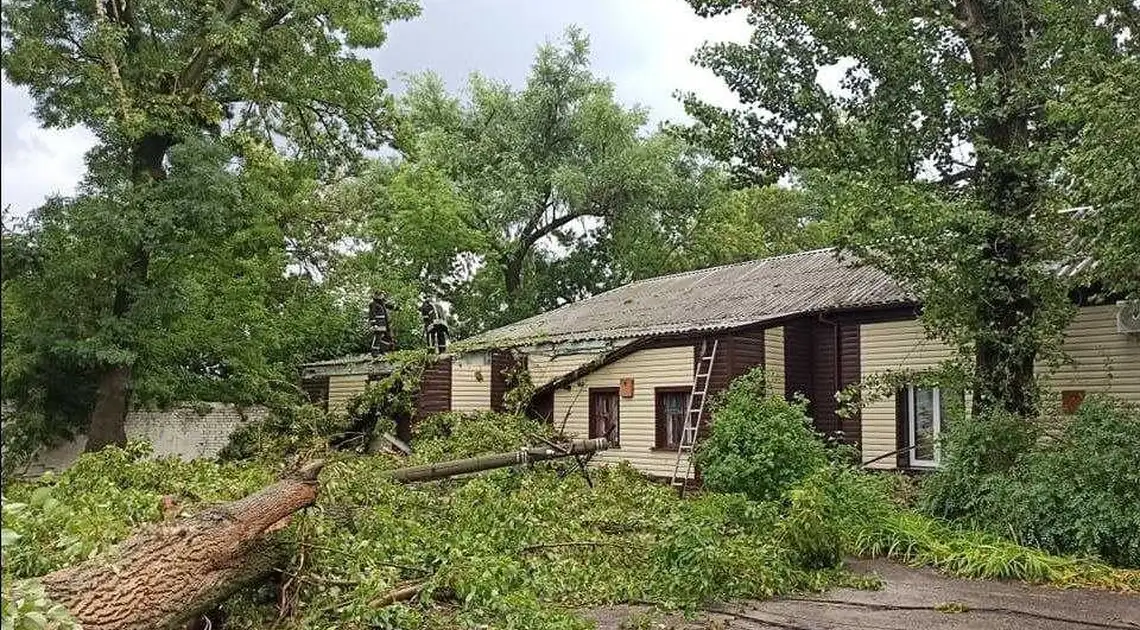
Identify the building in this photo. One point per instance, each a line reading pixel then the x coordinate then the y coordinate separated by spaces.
pixel 816 321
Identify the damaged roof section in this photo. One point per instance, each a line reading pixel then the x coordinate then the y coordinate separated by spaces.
pixel 731 296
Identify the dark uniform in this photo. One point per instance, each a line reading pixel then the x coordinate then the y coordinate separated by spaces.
pixel 380 324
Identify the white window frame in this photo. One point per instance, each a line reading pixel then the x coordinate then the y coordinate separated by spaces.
pixel 912 415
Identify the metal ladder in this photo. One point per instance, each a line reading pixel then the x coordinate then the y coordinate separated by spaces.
pixel 693 417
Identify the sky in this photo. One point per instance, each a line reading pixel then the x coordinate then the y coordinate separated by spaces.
pixel 642 46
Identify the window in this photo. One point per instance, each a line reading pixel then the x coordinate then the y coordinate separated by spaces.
pixel 605 414
pixel 926 418
pixel 672 407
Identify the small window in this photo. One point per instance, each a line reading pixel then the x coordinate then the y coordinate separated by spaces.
pixel 672 407
pixel 926 419
pixel 605 416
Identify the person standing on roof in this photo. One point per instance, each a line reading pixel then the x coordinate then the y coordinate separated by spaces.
pixel 380 324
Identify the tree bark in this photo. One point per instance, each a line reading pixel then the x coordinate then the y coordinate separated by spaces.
pixel 164 577
pixel 108 416
pixel 442 470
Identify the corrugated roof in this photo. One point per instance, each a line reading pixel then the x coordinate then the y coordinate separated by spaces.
pixel 352 364
pixel 724 297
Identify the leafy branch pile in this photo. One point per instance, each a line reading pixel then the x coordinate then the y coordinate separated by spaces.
pixel 510 548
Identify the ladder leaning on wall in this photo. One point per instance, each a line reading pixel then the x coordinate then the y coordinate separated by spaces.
pixel 692 425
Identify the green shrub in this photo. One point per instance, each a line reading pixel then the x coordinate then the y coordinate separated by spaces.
pixel 1074 492
pixel 454 435
pixel 759 445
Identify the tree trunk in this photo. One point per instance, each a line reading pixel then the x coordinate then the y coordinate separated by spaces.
pixel 442 470
pixel 108 417
pixel 107 422
pixel 164 577
pixel 998 35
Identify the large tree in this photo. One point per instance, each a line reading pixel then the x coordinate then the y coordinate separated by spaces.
pixel 225 314
pixel 935 147
pixel 552 175
pixel 146 75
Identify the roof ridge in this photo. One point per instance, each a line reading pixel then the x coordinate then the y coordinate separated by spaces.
pixel 678 274
pixel 644 280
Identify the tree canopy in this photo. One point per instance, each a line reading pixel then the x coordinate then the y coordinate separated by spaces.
pixel 937 152
pixel 147 77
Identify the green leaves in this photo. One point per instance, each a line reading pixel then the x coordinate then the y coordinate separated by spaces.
pixel 943 140
pixel 565 191
pixel 759 444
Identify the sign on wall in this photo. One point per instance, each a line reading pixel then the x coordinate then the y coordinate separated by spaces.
pixel 627 387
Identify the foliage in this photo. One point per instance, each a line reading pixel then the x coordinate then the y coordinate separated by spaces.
pixel 288 430
pixel 456 435
pixel 1101 161
pixel 565 192
pixel 164 252
pixel 759 444
pixel 512 548
pixel 27 607
pixel 279 70
pixel 921 540
pixel 67 518
pixel 1066 485
pixel 409 237
pixel 520 386
pixel 926 131
pixel 219 316
pixel 751 223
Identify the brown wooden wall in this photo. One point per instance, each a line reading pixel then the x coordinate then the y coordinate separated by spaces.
pixel 821 357
pixel 849 374
pixel 825 376
pixel 798 357
pixel 735 356
pixel 435 389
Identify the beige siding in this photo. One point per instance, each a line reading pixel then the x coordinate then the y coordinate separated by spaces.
pixel 1100 360
pixel 892 346
pixel 661 367
pixel 343 387
pixel 471 382
pixel 774 359
pixel 544 367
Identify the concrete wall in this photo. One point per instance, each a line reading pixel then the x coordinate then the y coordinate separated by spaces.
pixel 659 367
pixel 185 432
pixel 1100 360
pixel 774 358
pixel 471 382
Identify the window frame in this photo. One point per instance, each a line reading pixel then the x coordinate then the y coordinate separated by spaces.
pixel 660 429
pixel 615 441
pixel 911 417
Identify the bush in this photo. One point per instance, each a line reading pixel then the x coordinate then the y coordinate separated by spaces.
pixel 1074 492
pixel 759 445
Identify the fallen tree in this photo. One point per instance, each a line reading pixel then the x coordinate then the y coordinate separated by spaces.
pixel 168 574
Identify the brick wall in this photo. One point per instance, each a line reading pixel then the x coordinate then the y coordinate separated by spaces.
pixel 189 432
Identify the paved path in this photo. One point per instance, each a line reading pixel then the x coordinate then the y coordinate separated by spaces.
pixel 920 599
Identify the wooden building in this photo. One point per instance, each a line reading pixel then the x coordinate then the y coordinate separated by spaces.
pixel 816 321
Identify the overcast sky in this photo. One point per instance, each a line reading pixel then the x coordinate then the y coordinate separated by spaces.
pixel 642 46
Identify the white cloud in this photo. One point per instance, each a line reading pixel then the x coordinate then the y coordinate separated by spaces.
pixel 37 163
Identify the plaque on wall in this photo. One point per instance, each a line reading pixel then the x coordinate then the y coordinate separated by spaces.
pixel 627 388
